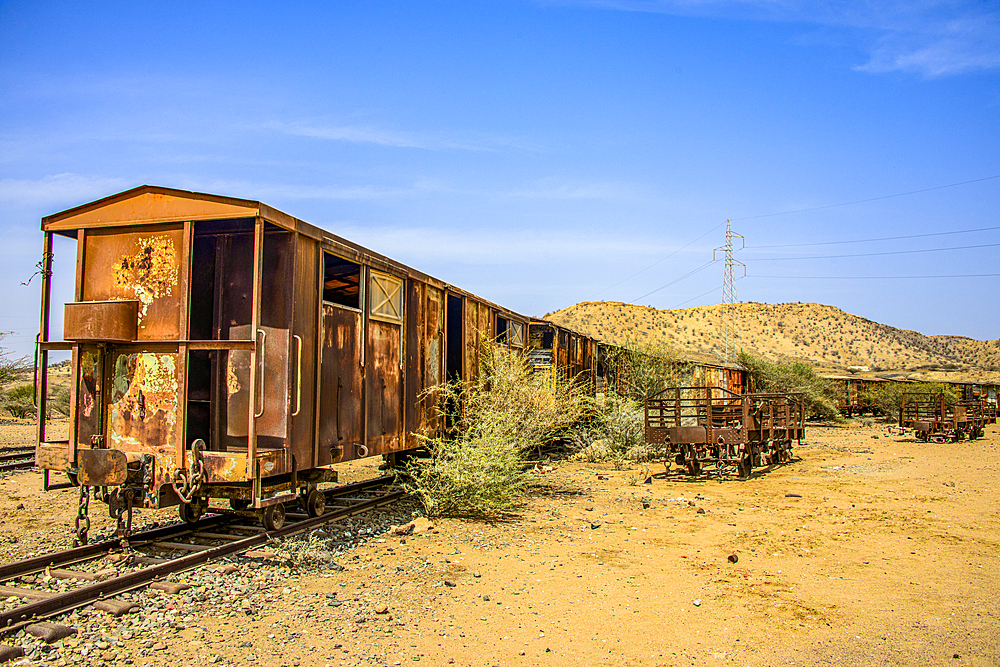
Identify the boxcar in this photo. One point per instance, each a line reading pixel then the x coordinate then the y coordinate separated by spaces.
pixel 224 349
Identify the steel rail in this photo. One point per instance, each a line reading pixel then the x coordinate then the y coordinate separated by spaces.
pixel 20 617
pixel 18 453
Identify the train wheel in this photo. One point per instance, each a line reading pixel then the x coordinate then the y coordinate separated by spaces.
pixel 693 464
pixel 273 517
pixel 744 466
pixel 190 512
pixel 239 504
pixel 315 503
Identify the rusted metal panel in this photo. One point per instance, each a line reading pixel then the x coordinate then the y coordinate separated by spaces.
pixel 341 402
pixel 383 389
pixel 51 456
pixel 150 205
pixel 472 339
pixel 225 466
pixel 143 265
pixel 302 374
pixel 142 409
pixel 89 411
pixel 434 360
pixel 270 405
pixel 102 467
pixel 107 321
pixel 413 384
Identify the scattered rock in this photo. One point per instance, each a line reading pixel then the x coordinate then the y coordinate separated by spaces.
pixel 733 558
pixel 697 603
pixel 793 495
pixel 486 598
pixel 450 584
pixel 645 506
pixel 701 510
pixel 382 609
pixel 595 526
pixel 648 480
pixel 159 646
pixel 476 575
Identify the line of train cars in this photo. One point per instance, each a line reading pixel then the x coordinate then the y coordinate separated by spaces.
pixel 224 349
pixel 931 416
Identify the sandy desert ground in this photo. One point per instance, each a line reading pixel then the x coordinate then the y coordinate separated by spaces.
pixel 869 549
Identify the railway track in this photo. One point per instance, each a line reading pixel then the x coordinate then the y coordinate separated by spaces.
pixel 19 458
pixel 154 555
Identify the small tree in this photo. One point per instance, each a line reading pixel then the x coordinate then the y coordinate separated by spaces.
pixel 887 397
pixel 820 394
pixel 10 369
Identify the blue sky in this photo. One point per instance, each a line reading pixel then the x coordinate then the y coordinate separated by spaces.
pixel 537 153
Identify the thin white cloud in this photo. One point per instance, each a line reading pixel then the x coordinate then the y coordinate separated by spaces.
pixel 369 134
pixel 927 37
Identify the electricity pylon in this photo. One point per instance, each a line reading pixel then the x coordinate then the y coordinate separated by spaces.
pixel 730 311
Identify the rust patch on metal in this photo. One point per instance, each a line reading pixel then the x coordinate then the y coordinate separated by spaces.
pixel 143 406
pixel 102 467
pixel 149 273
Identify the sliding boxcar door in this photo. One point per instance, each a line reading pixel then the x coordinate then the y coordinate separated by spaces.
pixel 341 417
pixel 303 372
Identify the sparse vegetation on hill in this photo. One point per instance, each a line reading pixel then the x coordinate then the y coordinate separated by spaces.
pixel 824 336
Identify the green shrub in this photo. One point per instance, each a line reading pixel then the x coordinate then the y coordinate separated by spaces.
pixel 479 468
pixel 820 394
pixel 19 401
pixel 887 397
pixel 58 402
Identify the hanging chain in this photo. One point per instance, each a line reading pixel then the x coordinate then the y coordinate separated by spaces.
pixel 187 481
pixel 82 517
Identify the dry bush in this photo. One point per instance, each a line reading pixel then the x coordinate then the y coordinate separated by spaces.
pixel 478 468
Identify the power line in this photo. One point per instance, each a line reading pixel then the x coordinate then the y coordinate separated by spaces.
pixel 862 201
pixel 884 238
pixel 876 254
pixel 684 303
pixel 953 275
pixel 659 261
pixel 677 280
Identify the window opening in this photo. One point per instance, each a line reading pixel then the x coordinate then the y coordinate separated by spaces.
pixel 502 330
pixel 341 282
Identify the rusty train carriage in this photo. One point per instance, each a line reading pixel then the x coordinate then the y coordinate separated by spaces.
pixel 222 348
pixel 570 354
pixel 932 417
pixel 713 425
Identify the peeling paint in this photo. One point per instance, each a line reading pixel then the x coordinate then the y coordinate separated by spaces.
pixel 149 273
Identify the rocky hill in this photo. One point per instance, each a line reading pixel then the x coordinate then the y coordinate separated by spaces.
pixel 825 336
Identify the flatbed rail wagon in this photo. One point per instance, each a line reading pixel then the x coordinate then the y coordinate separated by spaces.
pixel 933 417
pixel 699 426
